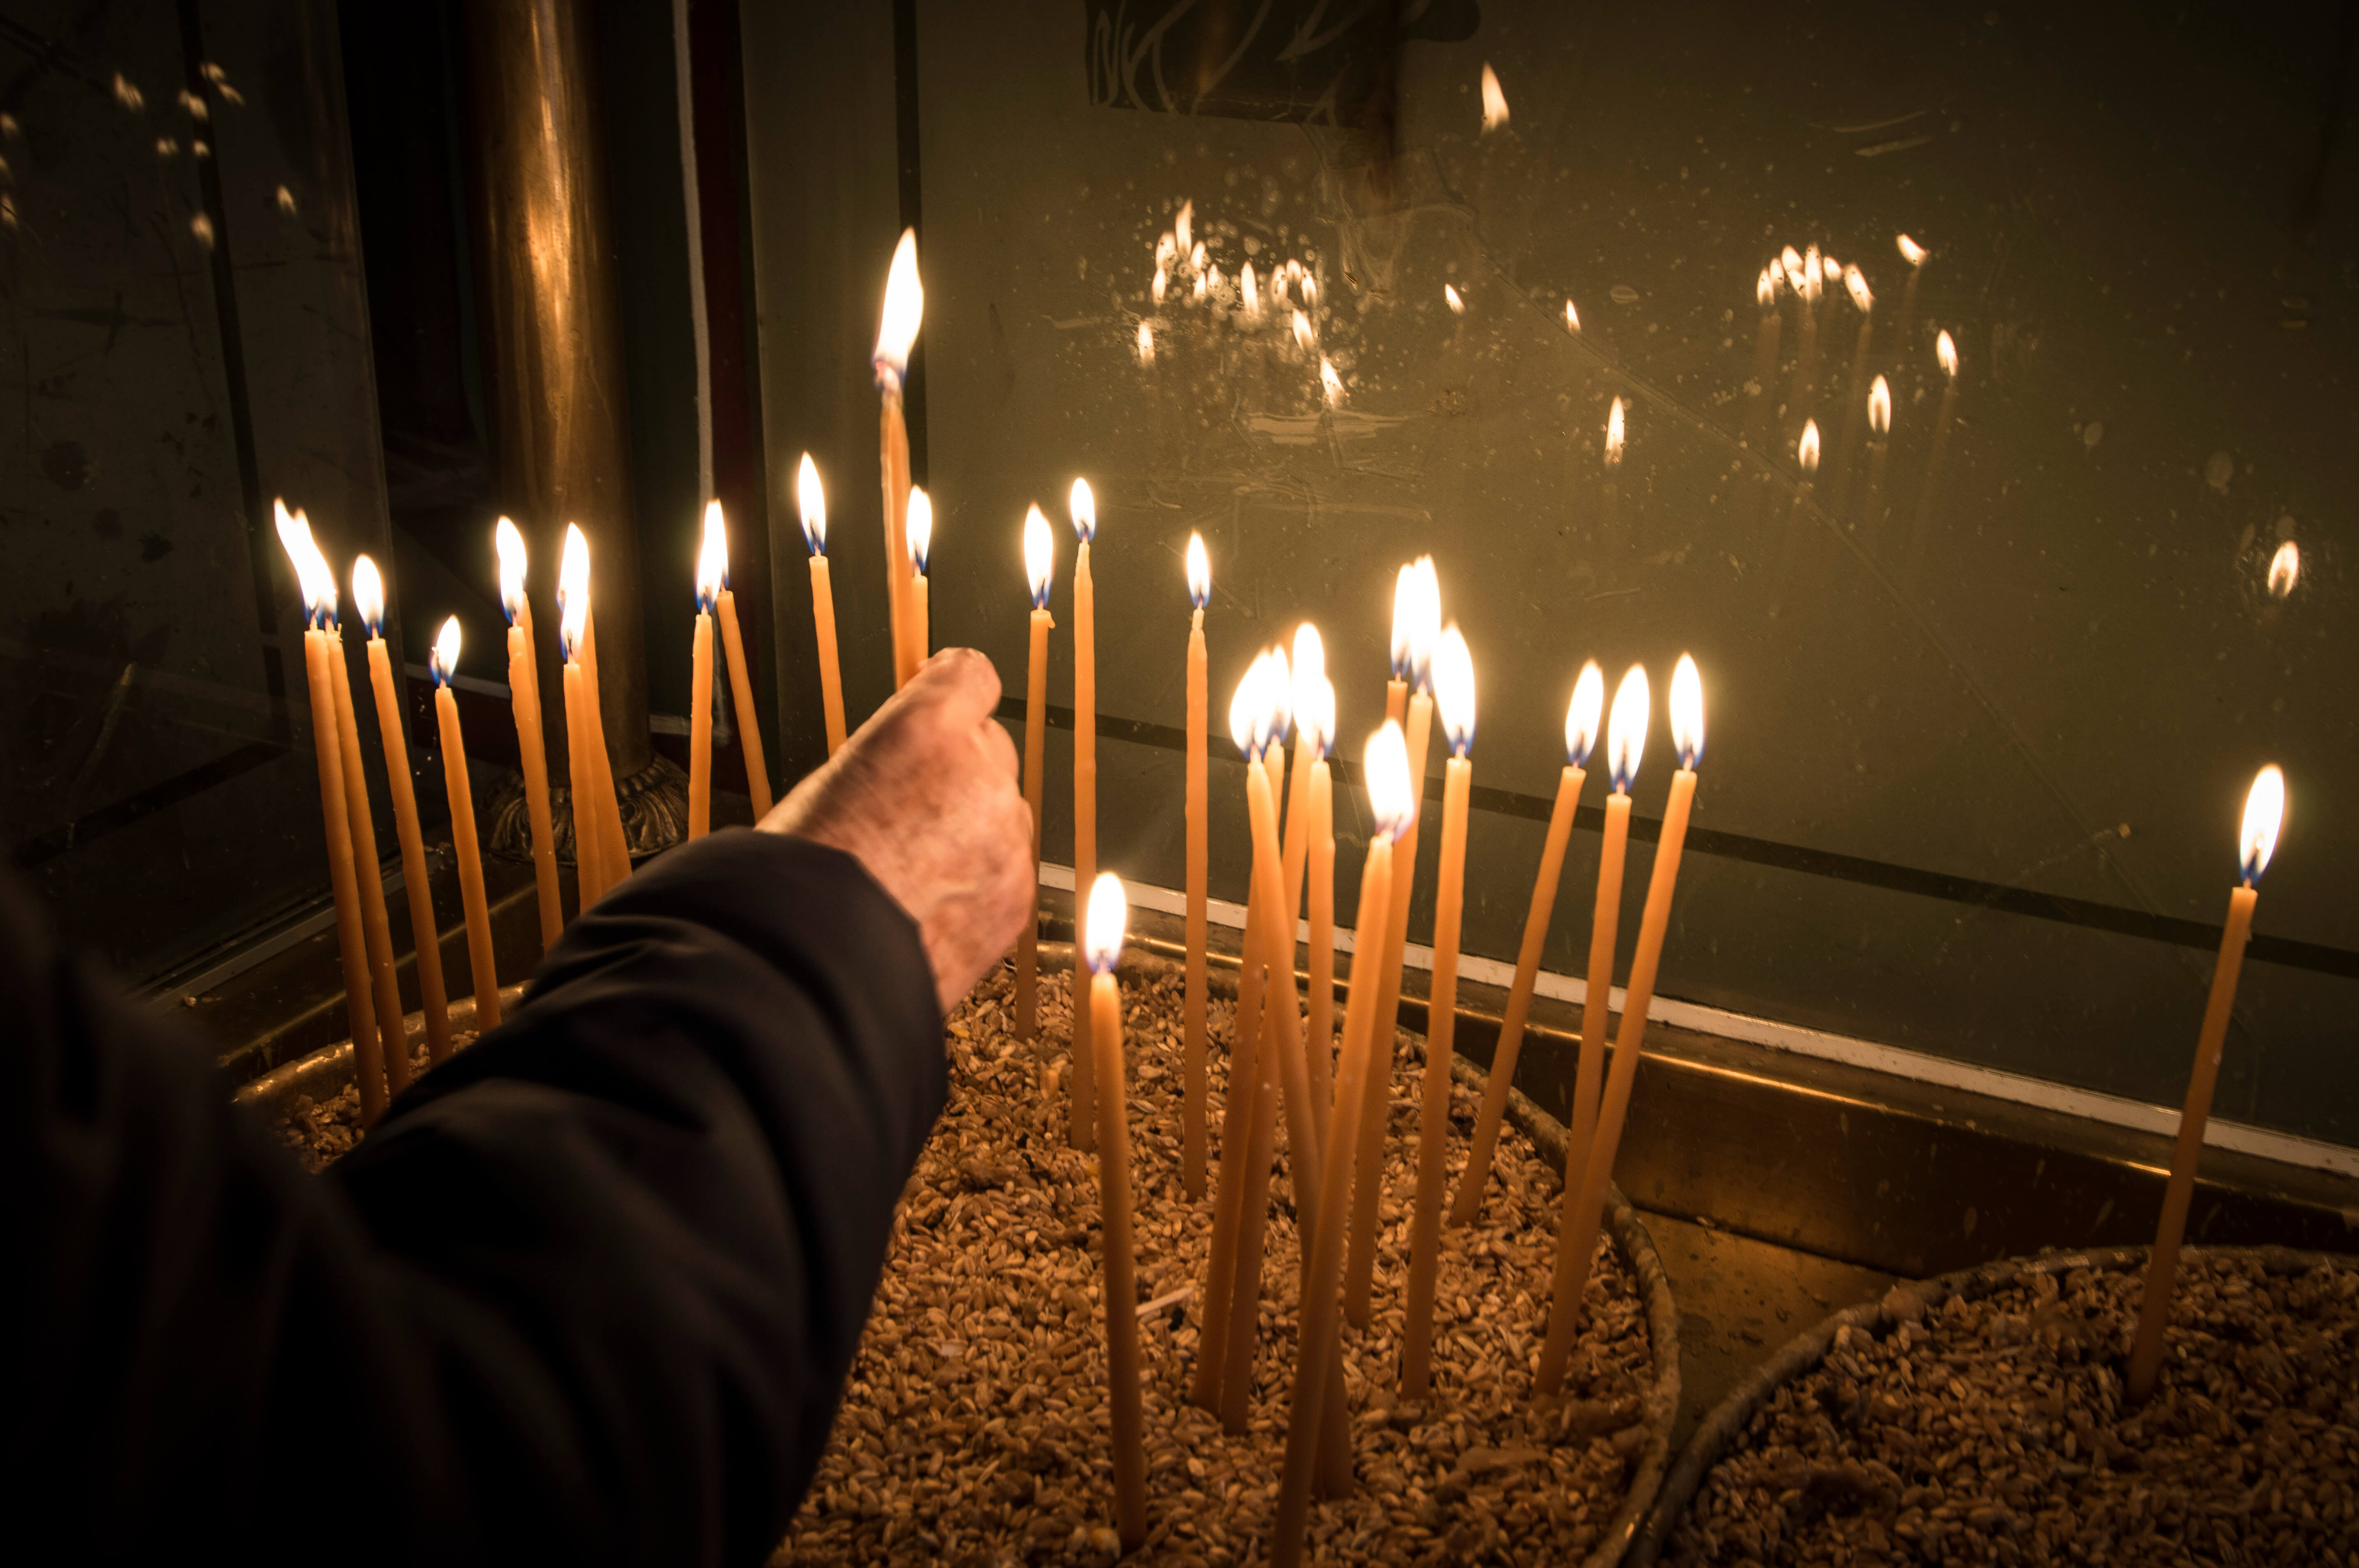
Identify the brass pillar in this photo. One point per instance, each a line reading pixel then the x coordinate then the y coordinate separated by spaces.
pixel 553 361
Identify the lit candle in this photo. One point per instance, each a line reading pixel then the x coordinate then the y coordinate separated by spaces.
pixel 1039 568
pixel 904 306
pixel 1946 352
pixel 1914 255
pixel 740 685
pixel 416 891
pixel 1392 801
pixel 2264 815
pixel 1085 510
pixel 813 500
pixel 1453 695
pixel 1425 629
pixel 524 701
pixel 1879 441
pixel 1806 357
pixel 1194 1134
pixel 581 736
pixel 483 968
pixel 1314 723
pixel 375 929
pixel 1761 388
pixel 1609 523
pixel 1103 934
pixel 319 589
pixel 711 562
pixel 920 532
pixel 1308 682
pixel 1855 400
pixel 1581 719
pixel 1578 1238
pixel 1806 459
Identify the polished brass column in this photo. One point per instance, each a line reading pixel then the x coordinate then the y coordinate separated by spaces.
pixel 553 359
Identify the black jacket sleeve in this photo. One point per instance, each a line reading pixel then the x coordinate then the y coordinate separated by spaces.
pixel 588 1292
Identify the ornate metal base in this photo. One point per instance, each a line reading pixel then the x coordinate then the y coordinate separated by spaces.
pixel 654 804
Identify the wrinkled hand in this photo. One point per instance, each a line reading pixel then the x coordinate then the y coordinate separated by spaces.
pixel 925 797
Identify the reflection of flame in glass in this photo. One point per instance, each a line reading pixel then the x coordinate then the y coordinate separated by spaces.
pixel 2264 815
pixel 1582 713
pixel 1183 241
pixel 1806 450
pixel 1911 251
pixel 1457 305
pixel 1384 770
pixel 1331 384
pixel 1861 296
pixel 1039 555
pixel 1146 344
pixel 1166 250
pixel 1453 689
pixel 2285 569
pixel 1495 102
pixel 1613 434
pixel 1830 269
pixel 1765 290
pixel 1308 286
pixel 1790 261
pixel 1946 351
pixel 1249 291
pixel 1879 407
pixel 1161 285
pixel 1304 338
pixel 1196 256
pixel 1572 317
pixel 1196 289
pixel 812 498
pixel 1626 733
pixel 1200 572
pixel 1687 711
pixel 1109 911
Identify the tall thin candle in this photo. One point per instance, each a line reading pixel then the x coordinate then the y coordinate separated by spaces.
pixel 1392 801
pixel 1085 780
pixel 1581 719
pixel 580 731
pixel 740 685
pixel 1040 568
pixel 1194 1134
pixel 1578 1238
pixel 375 929
pixel 812 498
pixel 710 563
pixel 417 889
pixel 482 968
pixel 904 307
pixel 532 750
pixel 1626 743
pixel 1314 723
pixel 2264 815
pixel 918 531
pixel 1453 692
pixel 1103 933
pixel 319 589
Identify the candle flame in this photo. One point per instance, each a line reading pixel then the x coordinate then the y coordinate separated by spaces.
pixel 918 531
pixel 1453 689
pixel 1277 287
pixel 812 496
pixel 368 596
pixel 1084 508
pixel 1790 260
pixel 1687 711
pixel 1306 284
pixel 1314 718
pixel 1039 555
pixel 2285 569
pixel 1146 344
pixel 1310 667
pixel 1161 285
pixel 1626 733
pixel 1765 290
pixel 1200 572
pixel 1861 295
pixel 507 543
pixel 1245 708
pixel 444 661
pixel 1806 450
pixel 1276 700
pixel 1613 434
pixel 1212 279
pixel 572 589
pixel 1182 243
pixel 1812 284
pixel 1196 289
pixel 904 307
pixel 1392 794
pixel 1911 251
pixel 1109 913
pixel 712 560
pixel 1330 382
pixel 1495 102
pixel 1304 338
pixel 1196 257
pixel 1457 305
pixel 1582 713
pixel 1250 291
pixel 1946 351
pixel 1879 407
pixel 1404 611
pixel 2264 815
pixel 1424 624
pixel 1831 269
pixel 1572 317
pixel 313 578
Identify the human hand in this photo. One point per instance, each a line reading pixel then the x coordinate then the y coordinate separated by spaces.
pixel 925 797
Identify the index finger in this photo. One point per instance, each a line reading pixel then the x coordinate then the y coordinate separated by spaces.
pixel 965 681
